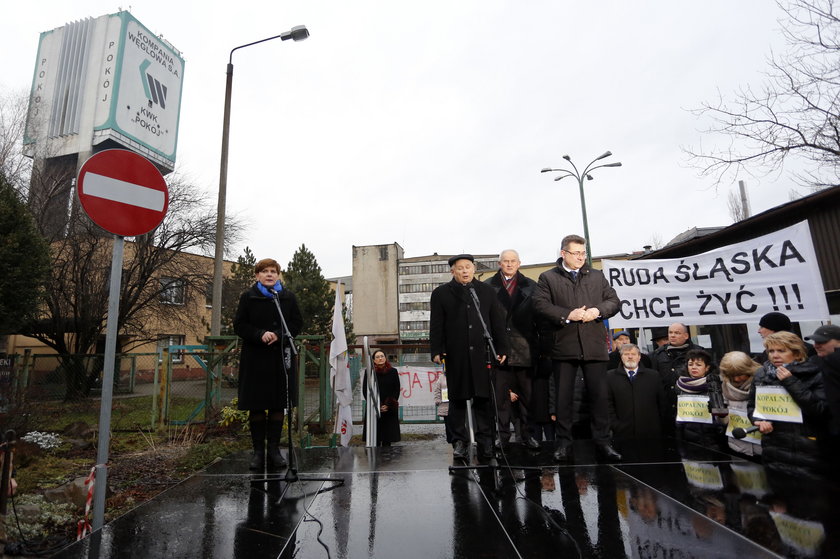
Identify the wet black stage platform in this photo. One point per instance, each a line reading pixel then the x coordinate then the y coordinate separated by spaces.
pixel 662 501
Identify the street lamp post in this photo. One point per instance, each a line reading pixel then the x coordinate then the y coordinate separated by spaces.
pixel 580 177
pixel 297 33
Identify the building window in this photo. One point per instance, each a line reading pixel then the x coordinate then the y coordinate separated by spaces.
pixel 415 306
pixel 170 340
pixel 414 325
pixel 424 269
pixel 208 295
pixel 172 291
pixel 418 287
pixel 383 252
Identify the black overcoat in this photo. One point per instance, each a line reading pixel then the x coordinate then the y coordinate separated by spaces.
pixel 795 446
pixel 520 329
pixel 455 330
pixel 637 408
pixel 388 424
pixel 262 383
pixel 557 295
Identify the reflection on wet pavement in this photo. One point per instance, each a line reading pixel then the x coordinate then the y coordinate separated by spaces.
pixel 663 501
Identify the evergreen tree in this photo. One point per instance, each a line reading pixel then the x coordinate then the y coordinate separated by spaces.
pixel 304 278
pixel 240 279
pixel 24 259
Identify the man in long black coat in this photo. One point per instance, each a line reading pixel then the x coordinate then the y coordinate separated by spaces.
pixel 514 379
pixel 456 334
pixel 637 400
pixel 575 299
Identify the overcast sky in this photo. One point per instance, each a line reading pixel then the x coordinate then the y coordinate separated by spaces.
pixel 427 123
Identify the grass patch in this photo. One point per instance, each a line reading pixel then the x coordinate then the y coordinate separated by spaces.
pixel 126 413
pixel 199 456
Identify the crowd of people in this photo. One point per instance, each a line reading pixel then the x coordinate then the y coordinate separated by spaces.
pixel 553 355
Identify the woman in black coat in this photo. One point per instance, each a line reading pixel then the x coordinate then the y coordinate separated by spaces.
pixel 388 381
pixel 789 446
pixel 699 367
pixel 266 360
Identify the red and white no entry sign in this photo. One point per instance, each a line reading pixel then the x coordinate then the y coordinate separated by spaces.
pixel 123 192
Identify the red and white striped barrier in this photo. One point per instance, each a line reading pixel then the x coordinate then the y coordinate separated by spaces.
pixel 83 527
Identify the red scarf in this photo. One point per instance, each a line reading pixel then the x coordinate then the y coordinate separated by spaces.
pixel 384 368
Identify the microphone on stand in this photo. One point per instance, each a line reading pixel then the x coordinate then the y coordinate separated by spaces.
pixel 740 433
pixel 474 295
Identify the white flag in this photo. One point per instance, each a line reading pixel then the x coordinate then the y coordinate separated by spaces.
pixel 340 373
pixel 344 424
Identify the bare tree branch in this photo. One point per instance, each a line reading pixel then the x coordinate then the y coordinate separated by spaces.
pixel 796 113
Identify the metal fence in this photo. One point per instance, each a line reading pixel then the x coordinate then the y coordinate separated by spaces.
pixel 177 386
pixel 398 355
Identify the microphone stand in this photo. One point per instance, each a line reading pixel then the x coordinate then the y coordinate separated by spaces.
pixel 490 353
pixel 287 342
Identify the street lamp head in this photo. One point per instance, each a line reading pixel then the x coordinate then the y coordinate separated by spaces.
pixel 561 177
pixel 546 170
pixel 296 33
pixel 589 177
pixel 567 158
pixel 607 154
pixel 616 164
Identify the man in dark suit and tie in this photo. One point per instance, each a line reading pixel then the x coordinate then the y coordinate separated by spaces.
pixel 636 398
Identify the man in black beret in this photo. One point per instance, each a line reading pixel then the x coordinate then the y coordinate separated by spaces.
pixel 456 335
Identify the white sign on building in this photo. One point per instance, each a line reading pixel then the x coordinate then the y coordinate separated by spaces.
pixel 102 79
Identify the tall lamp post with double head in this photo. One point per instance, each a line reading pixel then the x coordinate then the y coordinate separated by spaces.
pixel 297 33
pixel 580 176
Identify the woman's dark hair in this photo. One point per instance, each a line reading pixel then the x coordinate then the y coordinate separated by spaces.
pixel 699 355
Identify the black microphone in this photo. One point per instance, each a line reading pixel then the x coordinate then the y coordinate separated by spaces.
pixel 717 405
pixel 740 433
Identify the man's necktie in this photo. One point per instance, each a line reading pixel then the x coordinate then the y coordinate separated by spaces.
pixel 632 375
pixel 574 275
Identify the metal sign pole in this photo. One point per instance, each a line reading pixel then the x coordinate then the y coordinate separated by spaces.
pixel 108 384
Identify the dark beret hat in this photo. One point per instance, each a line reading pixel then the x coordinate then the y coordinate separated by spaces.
pixel 458 257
